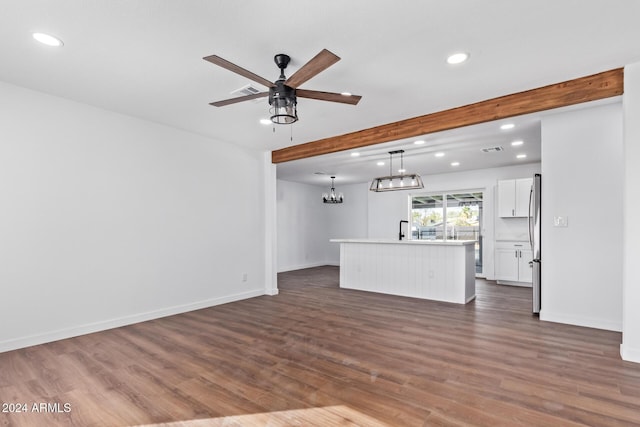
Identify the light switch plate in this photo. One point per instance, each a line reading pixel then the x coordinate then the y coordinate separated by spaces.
pixel 560 221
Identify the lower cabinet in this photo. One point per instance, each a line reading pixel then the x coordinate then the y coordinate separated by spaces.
pixel 512 262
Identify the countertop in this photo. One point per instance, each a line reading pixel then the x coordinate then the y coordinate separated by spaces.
pixel 407 242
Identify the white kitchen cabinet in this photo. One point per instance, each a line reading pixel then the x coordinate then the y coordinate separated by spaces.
pixel 525 270
pixel 512 262
pixel 513 197
pixel 506 264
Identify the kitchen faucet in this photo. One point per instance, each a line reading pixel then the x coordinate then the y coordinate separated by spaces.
pixel 400 233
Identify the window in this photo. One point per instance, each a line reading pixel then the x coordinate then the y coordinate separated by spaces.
pixel 449 216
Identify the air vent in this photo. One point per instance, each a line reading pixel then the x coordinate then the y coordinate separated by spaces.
pixel 246 90
pixel 492 149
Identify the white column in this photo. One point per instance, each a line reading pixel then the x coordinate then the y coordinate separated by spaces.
pixel 582 154
pixel 270 227
pixel 630 348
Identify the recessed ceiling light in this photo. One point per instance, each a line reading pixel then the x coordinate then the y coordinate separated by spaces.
pixel 507 126
pixel 345 93
pixel 441 154
pixel 516 143
pixel 458 58
pixel 265 121
pixel 355 154
pixel 402 170
pixel 380 163
pixel 521 156
pixel 455 163
pixel 47 39
pixel 418 142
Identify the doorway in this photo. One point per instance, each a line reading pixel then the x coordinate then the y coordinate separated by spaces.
pixel 454 215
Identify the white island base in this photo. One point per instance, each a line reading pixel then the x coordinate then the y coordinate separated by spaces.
pixel 435 270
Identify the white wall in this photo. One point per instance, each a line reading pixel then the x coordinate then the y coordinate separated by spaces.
pixel 582 180
pixel 385 210
pixel 302 226
pixel 630 348
pixel 305 224
pixel 348 220
pixel 107 220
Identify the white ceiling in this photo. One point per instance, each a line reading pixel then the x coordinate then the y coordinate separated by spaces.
pixel 144 58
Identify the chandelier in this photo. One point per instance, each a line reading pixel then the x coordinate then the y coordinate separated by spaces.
pixel 391 182
pixel 331 197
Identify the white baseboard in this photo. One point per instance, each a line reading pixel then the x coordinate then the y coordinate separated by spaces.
pixel 607 325
pixel 630 354
pixel 509 283
pixel 302 266
pixel 90 328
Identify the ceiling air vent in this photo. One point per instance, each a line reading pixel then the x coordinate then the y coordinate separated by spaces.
pixel 492 149
pixel 246 90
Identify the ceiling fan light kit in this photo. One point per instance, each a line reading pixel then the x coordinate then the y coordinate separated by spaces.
pixel 391 182
pixel 282 99
pixel 284 93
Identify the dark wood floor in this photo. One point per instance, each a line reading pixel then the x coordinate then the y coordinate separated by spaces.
pixel 320 355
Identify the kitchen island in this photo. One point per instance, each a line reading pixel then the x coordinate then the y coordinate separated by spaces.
pixel 431 269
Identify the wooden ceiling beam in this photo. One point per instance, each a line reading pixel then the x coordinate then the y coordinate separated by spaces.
pixel 591 88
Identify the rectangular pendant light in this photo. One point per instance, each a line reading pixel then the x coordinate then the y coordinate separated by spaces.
pixel 396 182
pixel 410 181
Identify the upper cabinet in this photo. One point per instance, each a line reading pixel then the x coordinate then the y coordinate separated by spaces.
pixel 513 197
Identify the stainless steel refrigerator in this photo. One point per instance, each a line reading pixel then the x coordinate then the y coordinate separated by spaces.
pixel 534 239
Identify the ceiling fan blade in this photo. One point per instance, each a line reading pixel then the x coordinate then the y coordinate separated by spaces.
pixel 238 99
pixel 328 96
pixel 215 59
pixel 318 63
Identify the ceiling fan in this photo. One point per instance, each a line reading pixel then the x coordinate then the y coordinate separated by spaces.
pixel 283 92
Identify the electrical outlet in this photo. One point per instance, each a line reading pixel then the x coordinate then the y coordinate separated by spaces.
pixel 245 277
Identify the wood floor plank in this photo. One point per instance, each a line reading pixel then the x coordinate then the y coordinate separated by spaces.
pixel 312 417
pixel 319 355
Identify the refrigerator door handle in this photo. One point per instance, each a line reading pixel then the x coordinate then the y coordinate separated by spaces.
pixel 530 217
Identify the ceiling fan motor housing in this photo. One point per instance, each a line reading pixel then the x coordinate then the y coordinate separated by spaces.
pixel 282 95
pixel 282 99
